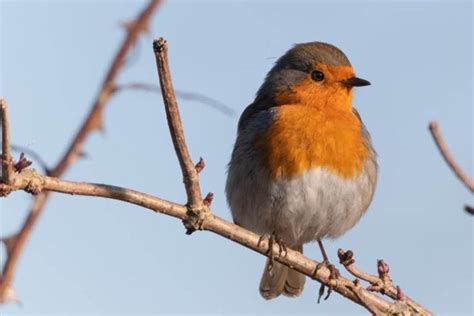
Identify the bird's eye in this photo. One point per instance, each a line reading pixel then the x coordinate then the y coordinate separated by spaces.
pixel 317 75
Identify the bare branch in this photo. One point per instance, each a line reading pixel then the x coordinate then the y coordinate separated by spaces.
pixel 92 122
pixel 190 175
pixel 184 95
pixel 443 149
pixel 7 161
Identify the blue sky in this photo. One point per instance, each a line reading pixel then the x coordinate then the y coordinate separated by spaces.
pixel 91 256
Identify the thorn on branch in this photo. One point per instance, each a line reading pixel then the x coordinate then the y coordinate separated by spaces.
pixel 9 242
pixel 200 165
pixel 131 25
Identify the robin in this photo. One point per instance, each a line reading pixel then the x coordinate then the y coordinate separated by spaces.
pixel 303 167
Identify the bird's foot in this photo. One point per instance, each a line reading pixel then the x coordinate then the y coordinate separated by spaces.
pixel 272 240
pixel 333 276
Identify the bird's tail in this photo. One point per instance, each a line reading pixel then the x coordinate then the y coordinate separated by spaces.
pixel 281 280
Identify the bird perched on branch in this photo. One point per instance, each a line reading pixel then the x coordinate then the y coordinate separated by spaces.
pixel 303 167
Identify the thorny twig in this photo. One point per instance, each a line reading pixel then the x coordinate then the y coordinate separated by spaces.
pixel 90 124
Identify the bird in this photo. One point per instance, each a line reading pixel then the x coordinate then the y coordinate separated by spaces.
pixel 303 167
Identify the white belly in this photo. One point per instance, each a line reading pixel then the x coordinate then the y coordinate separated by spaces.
pixel 312 206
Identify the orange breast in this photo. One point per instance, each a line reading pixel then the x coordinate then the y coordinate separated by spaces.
pixel 303 137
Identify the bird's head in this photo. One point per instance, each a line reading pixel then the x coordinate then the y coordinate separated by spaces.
pixel 314 74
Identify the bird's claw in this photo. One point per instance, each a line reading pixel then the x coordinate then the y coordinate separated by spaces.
pixel 273 239
pixel 333 275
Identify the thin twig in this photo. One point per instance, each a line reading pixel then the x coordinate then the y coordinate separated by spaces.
pixel 7 161
pixel 190 175
pixel 381 284
pixel 443 149
pixel 184 95
pixel 92 122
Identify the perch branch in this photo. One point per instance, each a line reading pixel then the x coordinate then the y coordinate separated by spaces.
pixel 92 122
pixel 30 181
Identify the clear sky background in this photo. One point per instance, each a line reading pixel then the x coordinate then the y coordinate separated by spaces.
pixel 92 256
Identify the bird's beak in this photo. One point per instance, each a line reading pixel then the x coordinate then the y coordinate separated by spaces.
pixel 355 82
